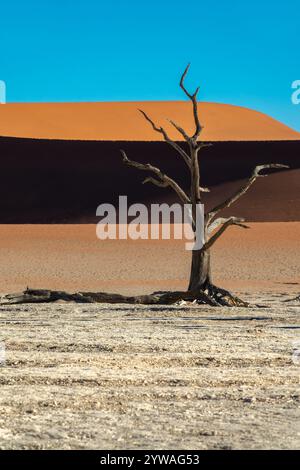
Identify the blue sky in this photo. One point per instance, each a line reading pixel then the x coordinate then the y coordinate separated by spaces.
pixel 242 52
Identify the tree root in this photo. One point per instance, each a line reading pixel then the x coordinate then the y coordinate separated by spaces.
pixel 212 295
pixel 225 298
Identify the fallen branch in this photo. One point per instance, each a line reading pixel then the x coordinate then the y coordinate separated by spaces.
pixel 212 296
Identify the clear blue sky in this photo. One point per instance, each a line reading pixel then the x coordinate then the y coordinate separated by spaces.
pixel 242 52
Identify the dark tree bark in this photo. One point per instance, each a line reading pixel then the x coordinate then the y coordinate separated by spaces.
pixel 200 276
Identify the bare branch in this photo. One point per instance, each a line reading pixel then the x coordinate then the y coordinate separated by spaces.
pixel 224 225
pixel 204 144
pixel 182 81
pixel 171 142
pixel 180 130
pixel 222 221
pixel 161 184
pixel 154 126
pixel 162 176
pixel 204 190
pixel 255 174
pixel 164 184
pixel 259 168
pixel 193 98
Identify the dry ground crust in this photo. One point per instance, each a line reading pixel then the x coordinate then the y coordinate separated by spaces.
pixel 133 377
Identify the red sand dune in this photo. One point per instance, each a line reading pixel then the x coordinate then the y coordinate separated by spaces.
pixel 121 121
pixel 61 160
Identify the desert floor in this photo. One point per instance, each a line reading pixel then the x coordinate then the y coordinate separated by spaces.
pixel 265 257
pixel 128 377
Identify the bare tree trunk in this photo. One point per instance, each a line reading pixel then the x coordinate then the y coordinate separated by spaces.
pixel 200 276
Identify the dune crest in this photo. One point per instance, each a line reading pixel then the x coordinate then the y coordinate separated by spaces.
pixel 122 122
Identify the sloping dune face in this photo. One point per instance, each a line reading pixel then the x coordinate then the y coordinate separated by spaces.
pixel 123 122
pixel 64 181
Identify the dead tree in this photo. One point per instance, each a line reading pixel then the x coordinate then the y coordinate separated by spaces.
pixel 201 287
pixel 200 274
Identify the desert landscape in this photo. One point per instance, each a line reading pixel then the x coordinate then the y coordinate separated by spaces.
pixel 136 377
pixel 150 377
pixel 131 376
pixel 149 232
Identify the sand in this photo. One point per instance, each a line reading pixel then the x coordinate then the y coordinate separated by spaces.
pixel 71 257
pixel 121 121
